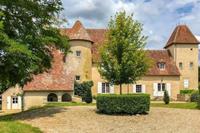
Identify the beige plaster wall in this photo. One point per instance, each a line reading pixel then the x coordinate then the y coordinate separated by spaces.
pixel 83 64
pixel 13 91
pixel 186 53
pixel 147 81
pixel 33 99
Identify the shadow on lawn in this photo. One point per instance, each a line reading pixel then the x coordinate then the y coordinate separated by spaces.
pixel 33 113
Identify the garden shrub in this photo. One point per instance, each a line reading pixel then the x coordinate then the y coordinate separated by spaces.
pixel 166 97
pixel 83 90
pixel 186 91
pixel 194 96
pixel 123 104
pixel 88 96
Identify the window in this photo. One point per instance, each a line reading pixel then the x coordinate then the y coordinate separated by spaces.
pixel 138 88
pixel 161 86
pixel 161 65
pixel 105 88
pixel 181 65
pixel 78 53
pixel 186 83
pixel 78 77
pixel 14 100
pixel 191 65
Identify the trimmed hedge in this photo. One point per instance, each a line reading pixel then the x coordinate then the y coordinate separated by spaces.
pixel 186 91
pixel 123 104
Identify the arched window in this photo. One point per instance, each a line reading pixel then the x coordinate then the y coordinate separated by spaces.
pixel 66 97
pixel 52 97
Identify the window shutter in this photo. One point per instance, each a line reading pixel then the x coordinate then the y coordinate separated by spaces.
pixel 19 102
pixel 143 89
pixel 169 88
pixel 99 87
pixel 112 91
pixel 8 102
pixel 134 88
pixel 155 89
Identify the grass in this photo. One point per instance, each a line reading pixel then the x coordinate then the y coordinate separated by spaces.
pixel 62 104
pixel 189 105
pixel 10 125
pixel 17 127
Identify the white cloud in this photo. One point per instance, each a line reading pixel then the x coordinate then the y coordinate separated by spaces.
pixel 158 16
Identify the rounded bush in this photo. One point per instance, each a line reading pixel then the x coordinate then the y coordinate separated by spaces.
pixel 123 104
pixel 194 96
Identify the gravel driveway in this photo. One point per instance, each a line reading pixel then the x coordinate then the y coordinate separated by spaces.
pixel 84 119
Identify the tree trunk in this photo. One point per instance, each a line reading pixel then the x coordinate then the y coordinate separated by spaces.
pixel 120 87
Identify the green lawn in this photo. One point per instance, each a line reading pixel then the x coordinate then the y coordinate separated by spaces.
pixel 17 127
pixel 61 104
pixel 189 105
pixel 9 125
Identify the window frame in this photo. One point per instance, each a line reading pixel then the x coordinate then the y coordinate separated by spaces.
pixel 15 100
pixel 180 65
pixel 161 65
pixel 78 76
pixel 78 53
pixel 105 87
pixel 191 67
pixel 160 87
pixel 136 88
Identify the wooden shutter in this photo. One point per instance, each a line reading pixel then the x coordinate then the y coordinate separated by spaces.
pixel 19 102
pixel 112 91
pixel 143 89
pixel 99 89
pixel 9 102
pixel 155 89
pixel 134 88
pixel 169 88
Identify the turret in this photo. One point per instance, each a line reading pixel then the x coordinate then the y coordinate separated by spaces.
pixel 183 47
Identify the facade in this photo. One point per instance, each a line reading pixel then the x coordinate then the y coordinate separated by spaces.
pixel 175 67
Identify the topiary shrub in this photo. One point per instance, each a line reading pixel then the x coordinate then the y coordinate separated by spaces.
pixel 166 97
pixel 88 96
pixel 123 104
pixel 194 96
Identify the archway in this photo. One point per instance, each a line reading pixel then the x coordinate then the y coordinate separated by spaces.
pixel 52 97
pixel 66 97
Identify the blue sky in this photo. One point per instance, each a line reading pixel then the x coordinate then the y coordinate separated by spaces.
pixel 159 17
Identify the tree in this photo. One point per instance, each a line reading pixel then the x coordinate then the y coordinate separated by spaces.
pixel 123 59
pixel 88 96
pixel 28 31
pixel 166 97
pixel 84 90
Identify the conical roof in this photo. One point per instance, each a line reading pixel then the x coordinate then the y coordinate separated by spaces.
pixel 78 32
pixel 181 35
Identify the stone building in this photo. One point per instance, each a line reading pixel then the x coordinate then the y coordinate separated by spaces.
pixel 174 68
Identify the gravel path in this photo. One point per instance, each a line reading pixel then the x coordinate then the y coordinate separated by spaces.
pixel 84 119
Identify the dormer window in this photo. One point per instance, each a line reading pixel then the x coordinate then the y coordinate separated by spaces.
pixel 161 65
pixel 78 53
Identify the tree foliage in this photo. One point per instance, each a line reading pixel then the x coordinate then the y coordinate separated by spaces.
pixel 28 30
pixel 84 90
pixel 123 59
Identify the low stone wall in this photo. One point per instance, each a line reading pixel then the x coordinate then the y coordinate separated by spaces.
pixel 183 97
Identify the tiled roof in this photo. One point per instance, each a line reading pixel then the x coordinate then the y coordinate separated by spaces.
pixel 163 56
pixel 58 78
pixel 98 36
pixel 77 32
pixel 182 35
